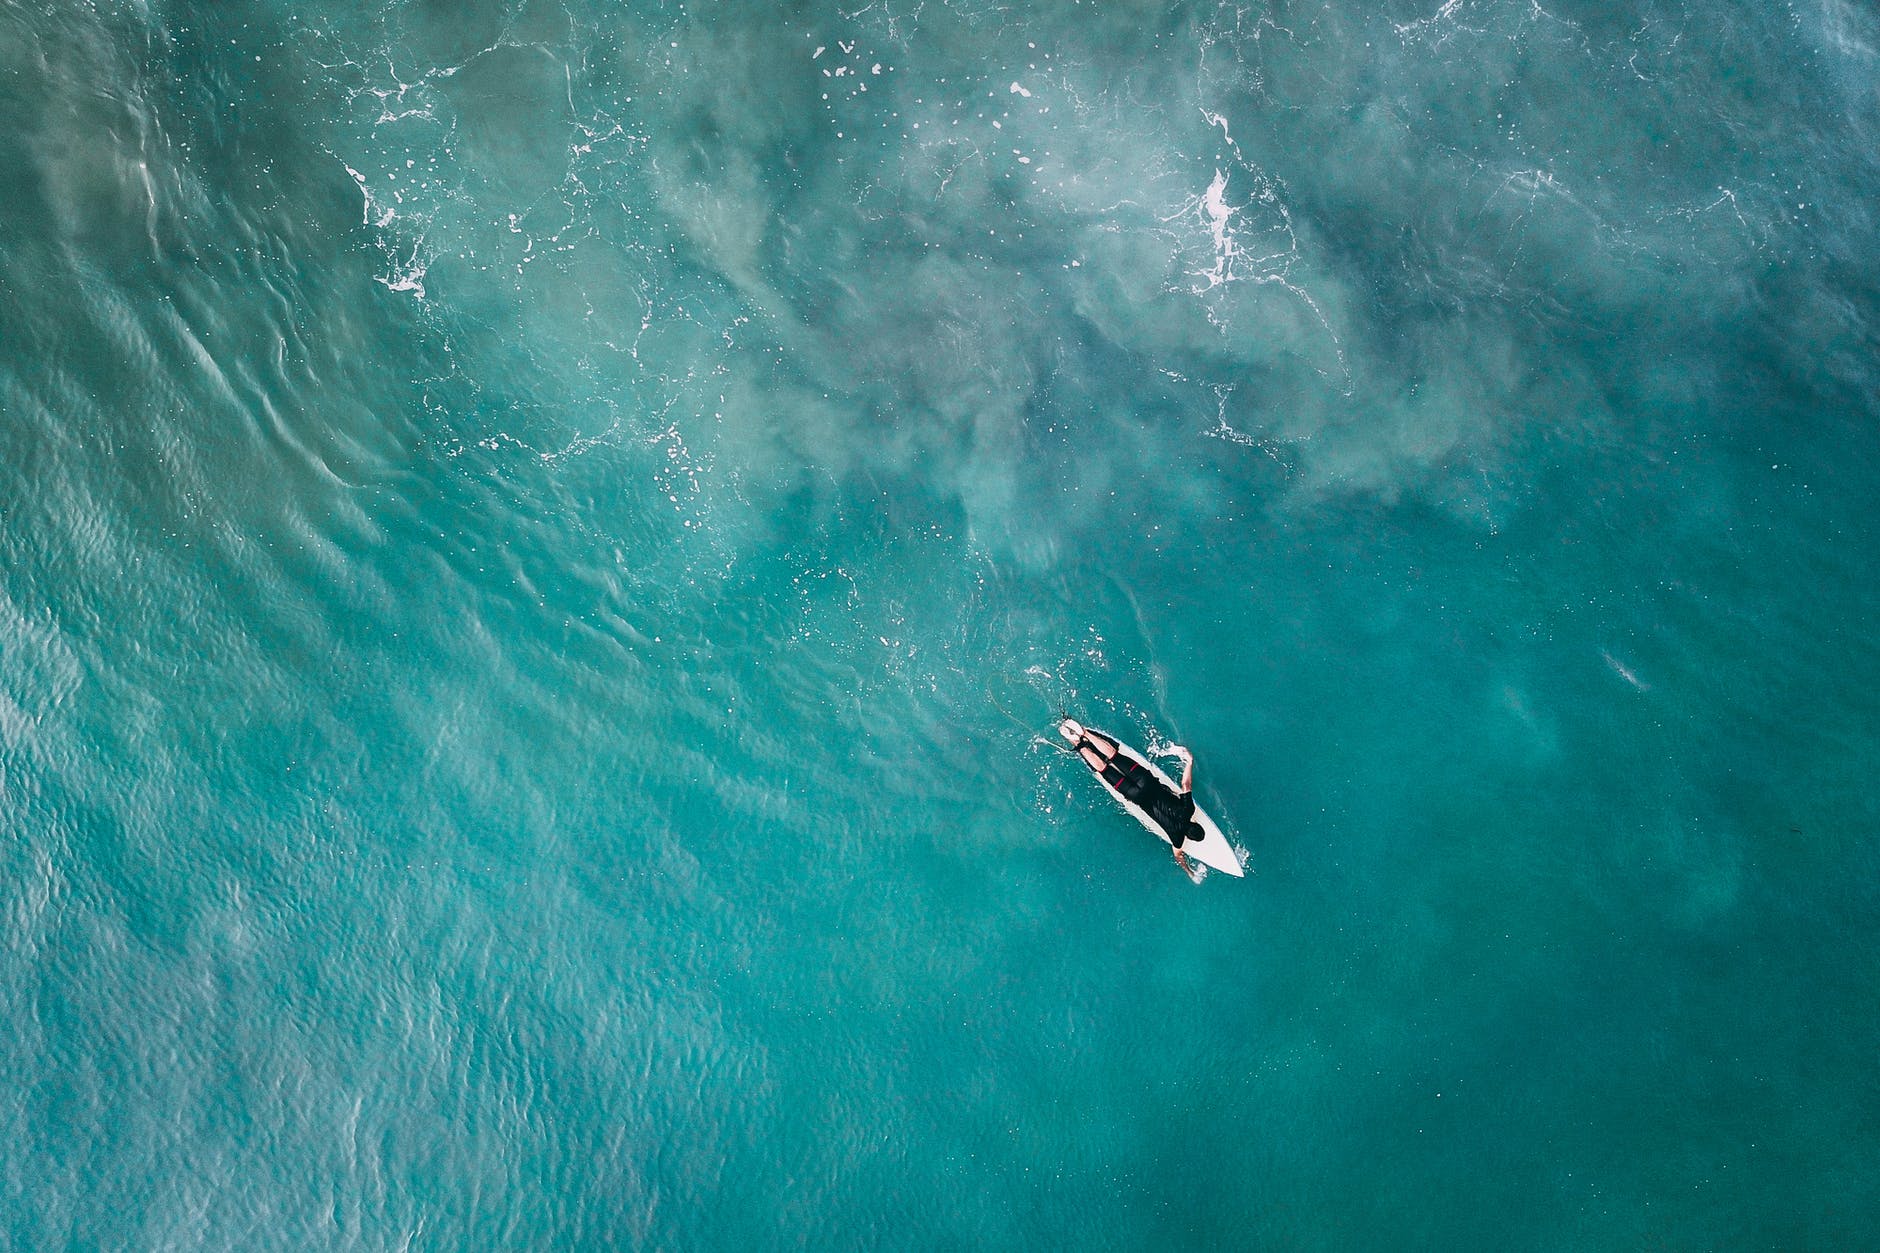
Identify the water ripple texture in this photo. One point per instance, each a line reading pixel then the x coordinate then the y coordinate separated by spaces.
pixel 541 543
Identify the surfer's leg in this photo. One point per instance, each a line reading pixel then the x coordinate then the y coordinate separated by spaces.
pixel 1089 753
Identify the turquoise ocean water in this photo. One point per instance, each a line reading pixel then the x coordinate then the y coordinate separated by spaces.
pixel 540 539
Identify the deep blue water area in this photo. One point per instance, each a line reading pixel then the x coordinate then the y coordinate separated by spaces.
pixel 541 543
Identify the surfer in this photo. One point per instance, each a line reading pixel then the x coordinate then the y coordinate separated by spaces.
pixel 1174 812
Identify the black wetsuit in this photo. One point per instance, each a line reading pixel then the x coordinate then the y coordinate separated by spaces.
pixel 1172 811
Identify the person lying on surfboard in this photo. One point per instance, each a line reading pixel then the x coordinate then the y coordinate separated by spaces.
pixel 1173 812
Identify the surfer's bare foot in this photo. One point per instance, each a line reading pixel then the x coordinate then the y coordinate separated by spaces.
pixel 1092 747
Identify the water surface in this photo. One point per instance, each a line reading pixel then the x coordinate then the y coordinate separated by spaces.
pixel 539 543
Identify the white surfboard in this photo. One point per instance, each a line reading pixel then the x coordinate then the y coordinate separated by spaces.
pixel 1212 849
